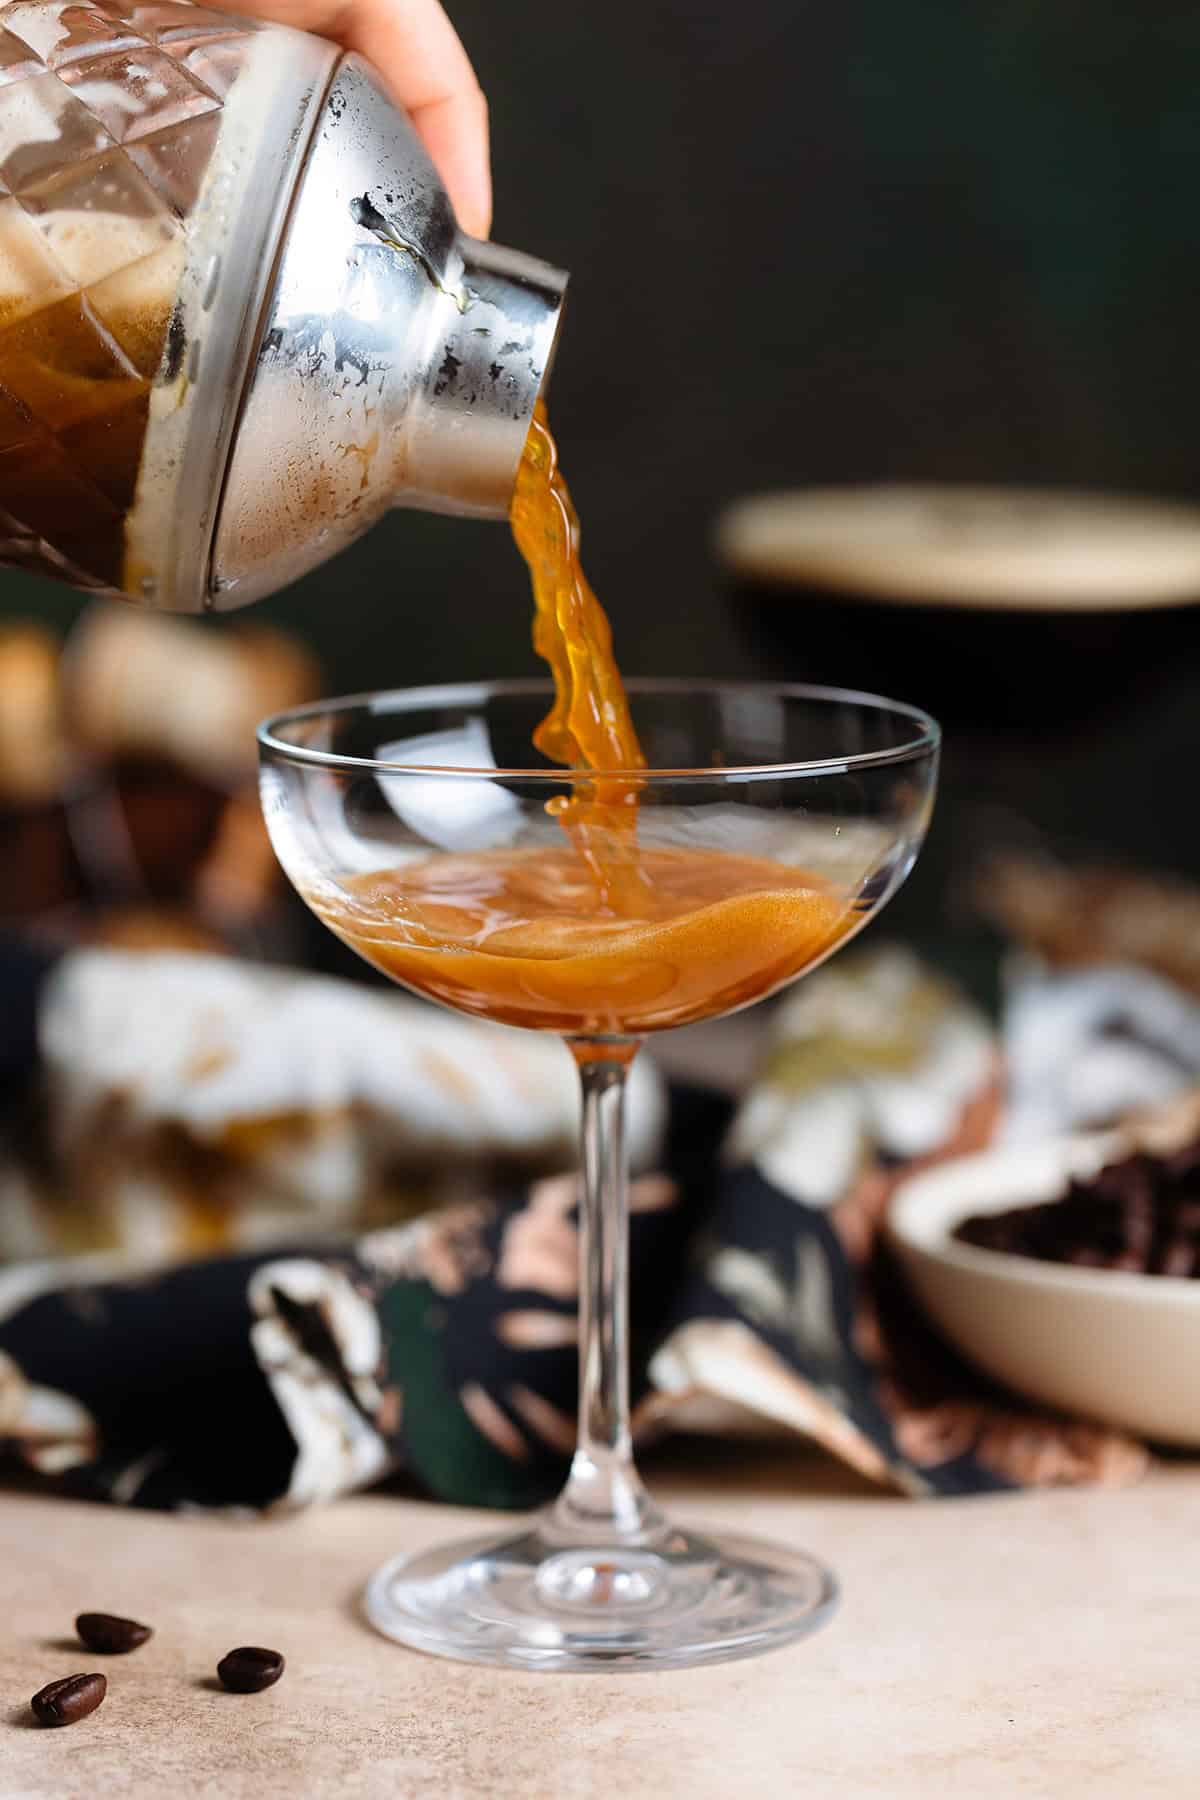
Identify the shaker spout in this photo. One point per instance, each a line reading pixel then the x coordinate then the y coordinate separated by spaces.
pixel 498 324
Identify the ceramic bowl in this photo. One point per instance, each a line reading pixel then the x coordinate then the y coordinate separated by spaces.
pixel 1122 1349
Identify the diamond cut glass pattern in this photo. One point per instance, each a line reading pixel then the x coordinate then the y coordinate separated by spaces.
pixel 30 276
pixel 136 92
pixel 174 161
pixel 17 60
pixel 136 223
pixel 109 118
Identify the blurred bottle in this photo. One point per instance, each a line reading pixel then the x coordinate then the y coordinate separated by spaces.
pixel 237 318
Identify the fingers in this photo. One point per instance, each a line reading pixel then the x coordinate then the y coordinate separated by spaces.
pixel 419 54
pixel 454 130
pixel 421 58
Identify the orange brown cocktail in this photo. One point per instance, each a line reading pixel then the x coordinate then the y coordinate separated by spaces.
pixel 599 936
pixel 521 936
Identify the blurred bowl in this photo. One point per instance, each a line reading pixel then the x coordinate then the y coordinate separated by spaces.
pixel 1122 1349
pixel 1003 610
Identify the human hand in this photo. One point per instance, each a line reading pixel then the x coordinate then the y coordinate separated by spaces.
pixel 421 58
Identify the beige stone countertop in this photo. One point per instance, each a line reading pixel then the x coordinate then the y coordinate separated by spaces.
pixel 1029 1645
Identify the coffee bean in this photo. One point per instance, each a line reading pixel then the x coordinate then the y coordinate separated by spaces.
pixel 250 1670
pixel 109 1635
pixel 68 1699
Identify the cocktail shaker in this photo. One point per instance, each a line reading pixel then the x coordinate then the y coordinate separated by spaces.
pixel 238 320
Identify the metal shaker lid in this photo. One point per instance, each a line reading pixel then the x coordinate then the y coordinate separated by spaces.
pixel 969 548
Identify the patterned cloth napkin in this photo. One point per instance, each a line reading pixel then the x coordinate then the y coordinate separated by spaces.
pixel 309 1355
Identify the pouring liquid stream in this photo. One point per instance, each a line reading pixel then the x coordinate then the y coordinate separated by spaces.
pixel 589 725
pixel 604 936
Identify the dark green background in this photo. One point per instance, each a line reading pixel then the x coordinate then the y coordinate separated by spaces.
pixel 938 238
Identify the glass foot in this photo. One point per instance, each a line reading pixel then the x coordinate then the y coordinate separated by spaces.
pixel 529 1602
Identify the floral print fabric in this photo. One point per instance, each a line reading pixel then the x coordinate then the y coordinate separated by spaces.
pixel 445 1348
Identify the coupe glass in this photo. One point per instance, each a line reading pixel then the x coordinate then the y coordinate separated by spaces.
pixel 793 813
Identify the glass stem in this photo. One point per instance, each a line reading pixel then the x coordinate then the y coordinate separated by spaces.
pixel 604 1500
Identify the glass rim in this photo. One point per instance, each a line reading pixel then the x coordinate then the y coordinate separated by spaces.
pixel 926 740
